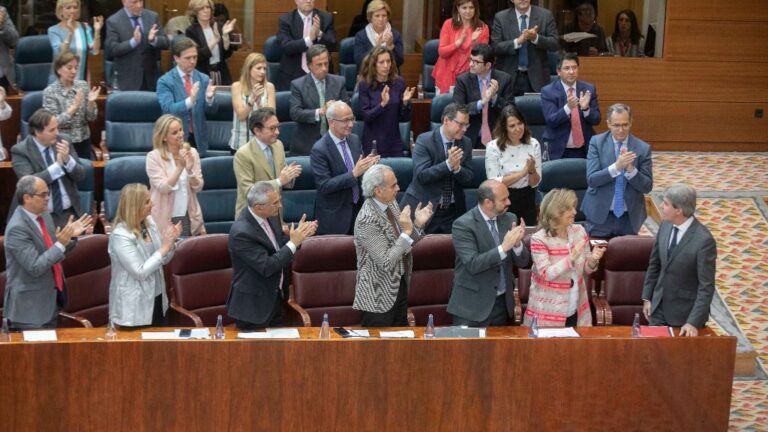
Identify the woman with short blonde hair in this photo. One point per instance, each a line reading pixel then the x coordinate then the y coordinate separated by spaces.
pixel 378 33
pixel 212 39
pixel 74 36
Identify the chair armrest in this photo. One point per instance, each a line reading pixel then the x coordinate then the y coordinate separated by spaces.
pixel 94 217
pixel 518 307
pixel 98 154
pixel 103 218
pixel 104 150
pixel 186 314
pixel 603 315
pixel 76 318
pixel 300 312
pixel 411 318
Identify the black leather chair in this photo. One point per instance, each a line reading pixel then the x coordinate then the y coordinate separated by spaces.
pixel 128 121
pixel 33 62
pixel 347 66
pixel 220 126
pixel 118 173
pixel 219 194
pixel 31 102
pixel 530 107
pixel 287 126
pixel 300 199
pixel 429 59
pixel 565 173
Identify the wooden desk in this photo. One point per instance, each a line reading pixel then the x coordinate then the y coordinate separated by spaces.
pixel 602 381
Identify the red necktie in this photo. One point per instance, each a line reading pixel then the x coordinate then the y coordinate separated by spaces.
pixel 58 274
pixel 188 89
pixel 576 132
pixel 485 129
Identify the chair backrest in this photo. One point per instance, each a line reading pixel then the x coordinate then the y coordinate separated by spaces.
pixel 128 121
pixel 87 188
pixel 530 107
pixel 273 53
pixel 432 279
pixel 2 274
pixel 287 126
pixel 324 274
pixel 478 176
pixel 403 169
pixel 439 103
pixel 118 173
pixel 626 262
pixel 553 57
pixel 347 66
pixel 220 125
pixel 429 60
pixel 201 276
pixel 33 62
pixel 300 199
pixel 87 269
pixel 31 102
pixel 219 194
pixel 565 173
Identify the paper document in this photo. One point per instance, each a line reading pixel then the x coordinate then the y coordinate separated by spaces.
pixel 358 333
pixel 577 36
pixel 403 334
pixel 196 333
pixel 39 335
pixel 566 332
pixel 279 333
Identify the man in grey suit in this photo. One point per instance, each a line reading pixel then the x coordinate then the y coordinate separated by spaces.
pixel 35 283
pixel 680 280
pixel 8 38
pixel 487 240
pixel 310 97
pixel 133 43
pixel 619 174
pixel 521 36
pixel 44 154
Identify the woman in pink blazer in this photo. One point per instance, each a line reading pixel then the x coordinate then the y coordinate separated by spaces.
pixel 173 168
pixel 457 37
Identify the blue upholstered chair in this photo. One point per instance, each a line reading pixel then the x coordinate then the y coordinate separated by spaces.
pixel 403 169
pixel 439 103
pixel 87 189
pixel 273 53
pixel 118 173
pixel 33 62
pixel 301 199
pixel 478 172
pixel 219 194
pixel 128 121
pixel 31 102
pixel 347 66
pixel 429 60
pixel 220 126
pixel 287 126
pixel 565 173
pixel 530 107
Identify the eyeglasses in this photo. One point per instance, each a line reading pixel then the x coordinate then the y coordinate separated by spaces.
pixel 277 204
pixel 620 125
pixel 272 128
pixel 464 126
pixel 346 120
pixel 477 62
pixel 42 194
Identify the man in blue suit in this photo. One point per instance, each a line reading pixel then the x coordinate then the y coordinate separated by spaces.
pixel 178 92
pixel 570 110
pixel 618 177
pixel 338 164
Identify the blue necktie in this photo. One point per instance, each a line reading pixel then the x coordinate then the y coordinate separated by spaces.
pixel 270 160
pixel 58 206
pixel 522 61
pixel 502 279
pixel 618 193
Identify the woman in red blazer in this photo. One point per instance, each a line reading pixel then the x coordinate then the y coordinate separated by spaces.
pixel 457 37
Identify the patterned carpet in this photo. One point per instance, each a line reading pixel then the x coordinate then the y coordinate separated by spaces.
pixel 733 204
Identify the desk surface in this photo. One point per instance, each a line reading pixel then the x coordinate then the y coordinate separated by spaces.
pixel 605 380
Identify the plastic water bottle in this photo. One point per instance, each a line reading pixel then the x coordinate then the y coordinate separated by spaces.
pixel 374 148
pixel 5 336
pixel 111 332
pixel 636 326
pixel 533 329
pixel 420 88
pixel 218 333
pixel 325 328
pixel 115 86
pixel 429 331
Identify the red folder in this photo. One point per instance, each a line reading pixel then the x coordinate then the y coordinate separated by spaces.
pixel 656 331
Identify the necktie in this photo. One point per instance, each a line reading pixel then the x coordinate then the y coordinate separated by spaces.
pixel 485 129
pixel 321 98
pixel 348 163
pixel 522 58
pixel 136 22
pixel 271 235
pixel 392 221
pixel 58 274
pixel 674 240
pixel 445 200
pixel 576 133
pixel 188 89
pixel 305 34
pixel 270 160
pixel 58 207
pixel 618 193
pixel 502 279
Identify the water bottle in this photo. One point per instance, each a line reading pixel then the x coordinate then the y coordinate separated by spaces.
pixel 2 153
pixel 111 333
pixel 636 326
pixel 325 328
pixel 5 336
pixel 374 148
pixel 219 332
pixel 420 88
pixel 429 331
pixel 412 143
pixel 533 329
pixel 115 86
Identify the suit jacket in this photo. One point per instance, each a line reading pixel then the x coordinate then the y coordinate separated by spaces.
pixel 256 268
pixel 553 101
pixel 9 36
pixel 171 95
pixel 601 186
pixel 684 281
pixel 506 29
pixel 304 101
pixel 251 166
pixel 383 258
pixel 478 266
pixel 290 36
pixel 163 195
pixel 129 62
pixel 195 32
pixel 27 159
pixel 467 92
pixel 430 169
pixel 30 291
pixel 333 202
pixel 363 46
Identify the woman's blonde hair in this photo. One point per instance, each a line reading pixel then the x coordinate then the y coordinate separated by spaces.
pixel 160 131
pixel 194 7
pixel 375 6
pixel 245 73
pixel 60 4
pixel 130 209
pixel 555 203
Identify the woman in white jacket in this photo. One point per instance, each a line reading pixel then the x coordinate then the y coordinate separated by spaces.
pixel 137 288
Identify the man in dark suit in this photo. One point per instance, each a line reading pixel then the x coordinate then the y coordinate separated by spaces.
pixel 179 91
pixel 570 109
pixel 337 165
pixel 133 43
pixel 680 280
pixel 261 255
pixel 442 169
pixel 485 91
pixel 487 241
pixel 619 174
pixel 310 97
pixel 44 154
pixel 521 36
pixel 34 250
pixel 298 31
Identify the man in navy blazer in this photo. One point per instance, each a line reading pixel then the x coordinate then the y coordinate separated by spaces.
pixel 442 169
pixel 178 92
pixel 308 105
pixel 294 41
pixel 565 103
pixel 619 174
pixel 261 255
pixel 338 164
